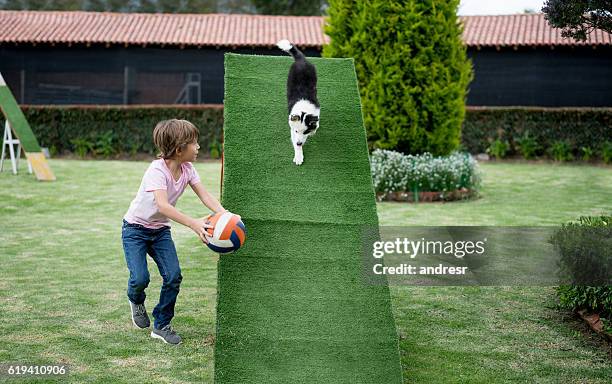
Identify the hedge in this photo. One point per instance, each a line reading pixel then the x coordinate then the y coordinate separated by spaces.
pixel 127 129
pixel 108 130
pixel 559 133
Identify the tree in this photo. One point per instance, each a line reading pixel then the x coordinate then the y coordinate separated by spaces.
pixel 578 18
pixel 289 7
pixel 266 7
pixel 148 6
pixel 412 69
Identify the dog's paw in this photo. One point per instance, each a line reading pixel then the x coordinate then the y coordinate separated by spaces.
pixel 298 159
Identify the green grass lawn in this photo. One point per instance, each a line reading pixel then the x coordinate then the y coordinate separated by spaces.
pixel 63 280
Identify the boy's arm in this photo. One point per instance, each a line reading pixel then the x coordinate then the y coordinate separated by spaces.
pixel 166 209
pixel 207 199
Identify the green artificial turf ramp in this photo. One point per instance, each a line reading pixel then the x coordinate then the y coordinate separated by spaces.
pixel 292 306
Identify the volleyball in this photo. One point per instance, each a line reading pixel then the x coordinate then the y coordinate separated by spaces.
pixel 227 234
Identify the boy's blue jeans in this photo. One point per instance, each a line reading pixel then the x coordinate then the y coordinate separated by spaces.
pixel 137 242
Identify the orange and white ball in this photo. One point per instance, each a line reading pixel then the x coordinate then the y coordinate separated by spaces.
pixel 228 232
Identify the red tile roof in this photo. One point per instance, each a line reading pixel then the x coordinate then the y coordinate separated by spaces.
pixel 521 30
pixel 245 30
pixel 168 29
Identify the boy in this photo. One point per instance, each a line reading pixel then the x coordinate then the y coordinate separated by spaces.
pixel 146 225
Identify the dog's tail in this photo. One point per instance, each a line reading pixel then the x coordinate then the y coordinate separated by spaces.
pixel 291 49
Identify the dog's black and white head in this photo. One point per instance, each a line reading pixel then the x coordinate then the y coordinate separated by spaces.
pixel 303 121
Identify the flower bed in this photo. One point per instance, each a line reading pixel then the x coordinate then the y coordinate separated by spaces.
pixel 400 177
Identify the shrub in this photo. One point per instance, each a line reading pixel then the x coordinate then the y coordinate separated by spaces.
pixel 561 151
pixel 583 127
pixel 107 130
pixel 105 144
pixel 57 126
pixel 412 69
pixel 395 172
pixel 215 148
pixel 82 146
pixel 585 249
pixel 587 153
pixel 498 149
pixel 528 146
pixel 593 299
pixel 606 152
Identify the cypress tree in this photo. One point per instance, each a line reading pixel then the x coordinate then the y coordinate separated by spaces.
pixel 412 69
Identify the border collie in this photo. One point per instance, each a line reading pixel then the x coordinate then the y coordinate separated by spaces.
pixel 302 100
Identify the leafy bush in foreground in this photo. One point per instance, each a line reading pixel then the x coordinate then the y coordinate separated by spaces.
pixel 586 256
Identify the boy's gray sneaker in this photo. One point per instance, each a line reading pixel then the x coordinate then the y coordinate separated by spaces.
pixel 140 319
pixel 167 334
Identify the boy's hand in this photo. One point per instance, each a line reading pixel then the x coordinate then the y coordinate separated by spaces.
pixel 225 210
pixel 199 226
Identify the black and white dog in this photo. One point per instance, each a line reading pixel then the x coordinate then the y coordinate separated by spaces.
pixel 302 100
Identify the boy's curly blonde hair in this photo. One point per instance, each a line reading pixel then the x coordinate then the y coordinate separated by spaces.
pixel 170 135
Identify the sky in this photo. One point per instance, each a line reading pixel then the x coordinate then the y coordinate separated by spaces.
pixel 498 7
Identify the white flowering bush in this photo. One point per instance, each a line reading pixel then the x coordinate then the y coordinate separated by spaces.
pixel 395 172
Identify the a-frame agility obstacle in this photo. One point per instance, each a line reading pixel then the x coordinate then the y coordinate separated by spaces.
pixel 17 121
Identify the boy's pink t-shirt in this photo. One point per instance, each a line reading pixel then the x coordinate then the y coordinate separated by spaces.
pixel 143 209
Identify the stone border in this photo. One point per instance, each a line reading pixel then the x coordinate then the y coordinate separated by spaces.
pixel 593 320
pixel 405 196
